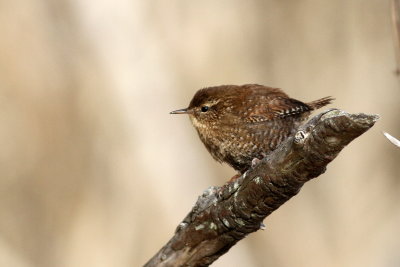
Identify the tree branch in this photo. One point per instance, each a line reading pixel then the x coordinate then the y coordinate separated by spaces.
pixel 224 215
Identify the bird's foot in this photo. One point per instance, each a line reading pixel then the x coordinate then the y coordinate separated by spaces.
pixel 255 162
pixel 221 190
pixel 234 178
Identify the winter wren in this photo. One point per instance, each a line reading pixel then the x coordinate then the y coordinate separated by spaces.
pixel 240 123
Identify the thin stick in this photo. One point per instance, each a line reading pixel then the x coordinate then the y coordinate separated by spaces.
pixel 395 10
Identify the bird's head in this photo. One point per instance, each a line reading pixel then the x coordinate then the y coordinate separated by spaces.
pixel 207 106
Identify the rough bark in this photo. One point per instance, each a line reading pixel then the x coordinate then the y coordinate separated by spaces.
pixel 224 215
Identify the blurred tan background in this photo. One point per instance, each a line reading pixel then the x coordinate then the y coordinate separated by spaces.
pixel 95 172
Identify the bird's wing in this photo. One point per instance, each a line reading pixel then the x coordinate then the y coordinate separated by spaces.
pixel 275 108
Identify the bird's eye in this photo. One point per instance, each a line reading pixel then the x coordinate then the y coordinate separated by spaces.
pixel 204 108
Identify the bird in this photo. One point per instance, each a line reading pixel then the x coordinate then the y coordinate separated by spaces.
pixel 242 123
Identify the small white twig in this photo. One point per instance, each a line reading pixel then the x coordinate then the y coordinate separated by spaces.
pixel 393 140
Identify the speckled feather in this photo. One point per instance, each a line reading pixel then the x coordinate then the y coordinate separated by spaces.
pixel 240 123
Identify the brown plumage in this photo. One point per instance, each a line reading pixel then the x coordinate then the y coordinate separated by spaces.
pixel 240 123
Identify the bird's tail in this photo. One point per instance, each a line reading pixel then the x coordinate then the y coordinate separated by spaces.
pixel 316 104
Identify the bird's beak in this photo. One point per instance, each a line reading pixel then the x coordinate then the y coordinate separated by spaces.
pixel 181 111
